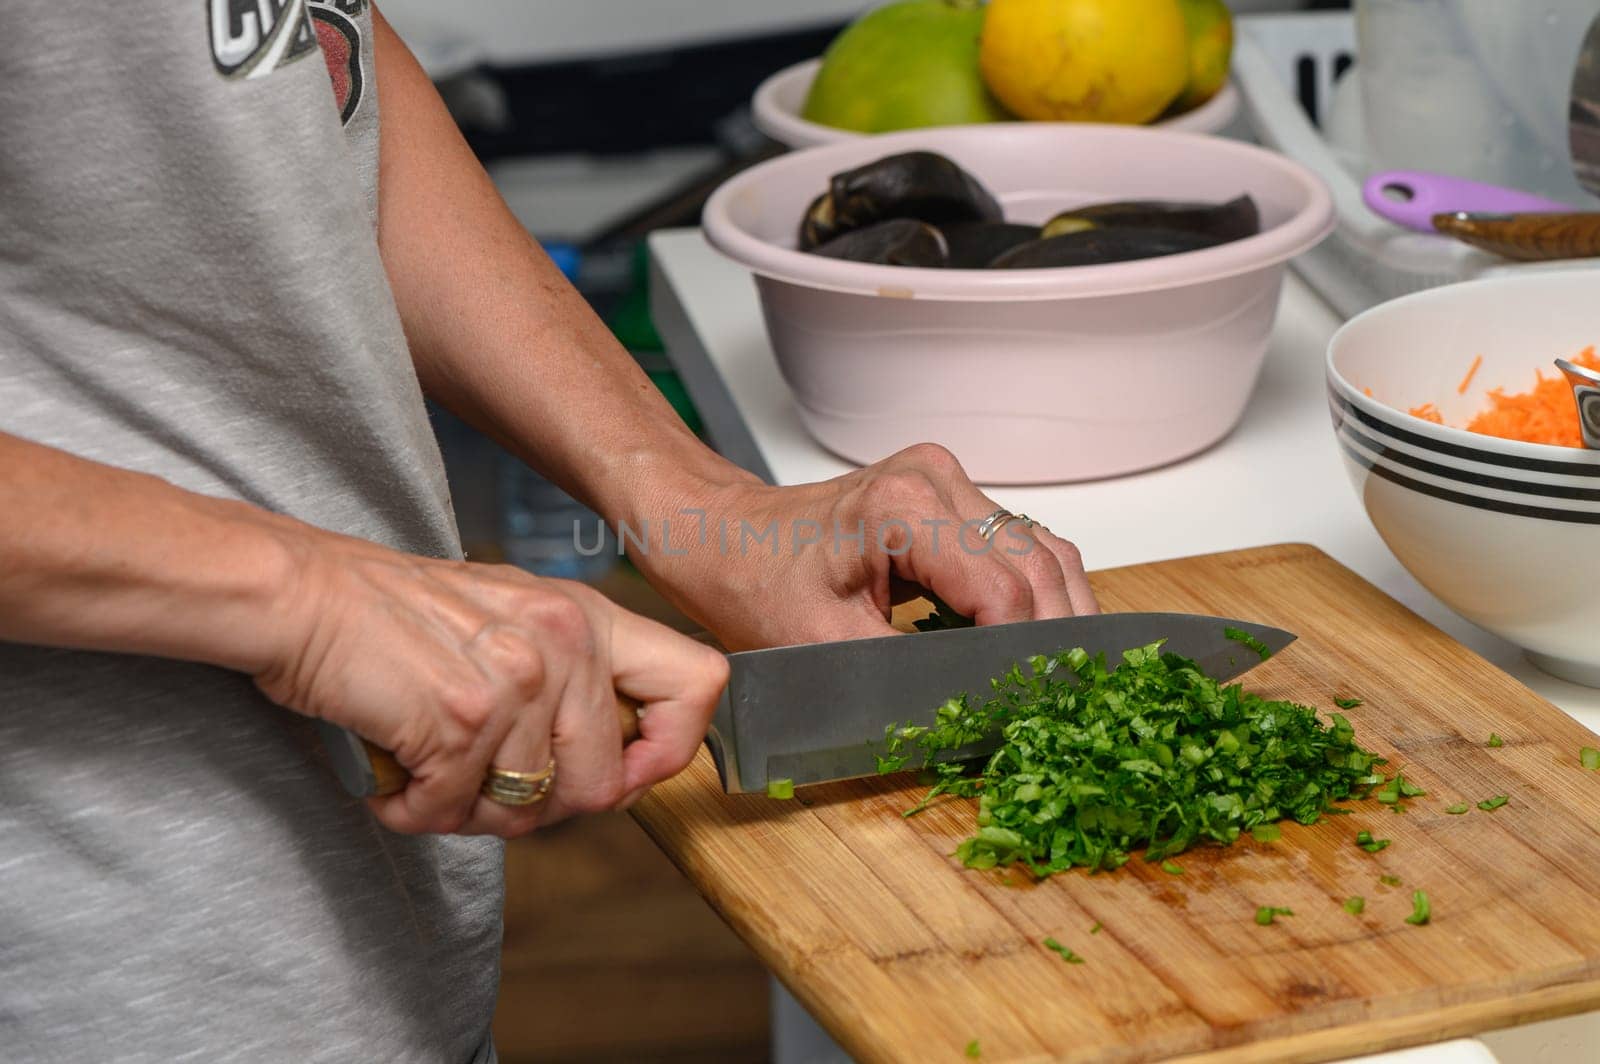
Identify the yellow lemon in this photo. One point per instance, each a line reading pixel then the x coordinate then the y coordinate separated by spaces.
pixel 1210 50
pixel 1085 60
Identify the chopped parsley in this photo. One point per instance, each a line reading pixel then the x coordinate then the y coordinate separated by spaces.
pixel 1095 930
pixel 780 788
pixel 1365 840
pixel 1457 809
pixel 1172 868
pixel 1389 881
pixel 1267 914
pixel 973 1051
pixel 1095 762
pixel 1589 757
pixel 1489 805
pixel 1421 909
pixel 1066 954
pixel 1495 741
pixel 1240 636
pixel 1266 832
pixel 1347 703
pixel 1395 791
pixel 1356 905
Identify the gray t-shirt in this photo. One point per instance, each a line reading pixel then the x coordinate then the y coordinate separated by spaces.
pixel 190 286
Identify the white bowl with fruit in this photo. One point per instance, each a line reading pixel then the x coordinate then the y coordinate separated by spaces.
pixel 920 63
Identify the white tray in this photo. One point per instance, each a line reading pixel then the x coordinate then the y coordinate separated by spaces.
pixel 1367 260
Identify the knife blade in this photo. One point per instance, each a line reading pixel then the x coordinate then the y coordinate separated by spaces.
pixel 818 712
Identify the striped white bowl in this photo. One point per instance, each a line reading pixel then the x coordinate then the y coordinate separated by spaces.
pixel 1505 533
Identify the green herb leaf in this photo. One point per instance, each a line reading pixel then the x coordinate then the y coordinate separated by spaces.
pixel 1095 930
pixel 1365 840
pixel 1240 636
pixel 1266 832
pixel 1347 703
pixel 1589 757
pixel 1457 809
pixel 973 1051
pixel 1066 954
pixel 1171 869
pixel 893 763
pixel 1389 881
pixel 1489 805
pixel 1355 905
pixel 1421 910
pixel 1495 740
pixel 780 788
pixel 1093 762
pixel 1266 914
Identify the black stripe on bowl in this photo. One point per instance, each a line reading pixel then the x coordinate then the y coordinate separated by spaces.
pixel 1456 450
pixel 1349 427
pixel 1477 502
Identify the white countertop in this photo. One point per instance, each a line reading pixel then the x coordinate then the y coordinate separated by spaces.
pixel 1278 477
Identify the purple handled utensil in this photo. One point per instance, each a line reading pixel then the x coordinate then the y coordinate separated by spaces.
pixel 1412 197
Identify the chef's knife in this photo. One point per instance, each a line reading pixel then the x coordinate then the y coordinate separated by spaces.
pixel 818 712
pixel 815 713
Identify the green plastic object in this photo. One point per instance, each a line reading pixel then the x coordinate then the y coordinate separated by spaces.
pixel 634 328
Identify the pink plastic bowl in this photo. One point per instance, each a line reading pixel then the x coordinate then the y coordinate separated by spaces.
pixel 1029 376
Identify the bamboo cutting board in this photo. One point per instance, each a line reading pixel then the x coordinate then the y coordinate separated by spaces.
pixel 906 956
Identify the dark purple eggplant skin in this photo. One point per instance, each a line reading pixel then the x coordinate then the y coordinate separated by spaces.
pixel 923 185
pixel 1233 220
pixel 973 245
pixel 897 242
pixel 1095 247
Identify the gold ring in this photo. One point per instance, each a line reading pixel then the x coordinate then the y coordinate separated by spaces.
pixel 519 788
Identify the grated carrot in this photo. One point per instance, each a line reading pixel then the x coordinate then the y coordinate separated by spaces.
pixel 1466 382
pixel 1427 412
pixel 1547 414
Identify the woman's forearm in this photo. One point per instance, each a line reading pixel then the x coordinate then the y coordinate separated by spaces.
pixel 496 332
pixel 98 558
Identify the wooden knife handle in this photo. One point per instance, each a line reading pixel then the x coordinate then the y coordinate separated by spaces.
pixel 1527 237
pixel 392 776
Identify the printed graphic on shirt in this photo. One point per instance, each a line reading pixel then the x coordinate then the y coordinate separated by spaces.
pixel 252 38
pixel 340 36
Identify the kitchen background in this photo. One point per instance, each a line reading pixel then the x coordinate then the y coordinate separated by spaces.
pixel 601 121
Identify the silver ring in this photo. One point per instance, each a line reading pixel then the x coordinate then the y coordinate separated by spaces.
pixel 997 520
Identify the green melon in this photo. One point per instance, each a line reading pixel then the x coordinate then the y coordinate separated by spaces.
pixel 908 65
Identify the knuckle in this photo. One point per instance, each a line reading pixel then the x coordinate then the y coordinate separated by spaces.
pixel 900 489
pixel 1011 590
pixel 935 457
pixel 559 618
pixel 715 670
pixel 517 659
pixel 468 706
pixel 1071 557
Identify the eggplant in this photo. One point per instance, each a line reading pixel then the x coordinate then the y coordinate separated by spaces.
pixel 898 242
pixel 921 184
pixel 973 245
pixel 1093 247
pixel 1233 220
